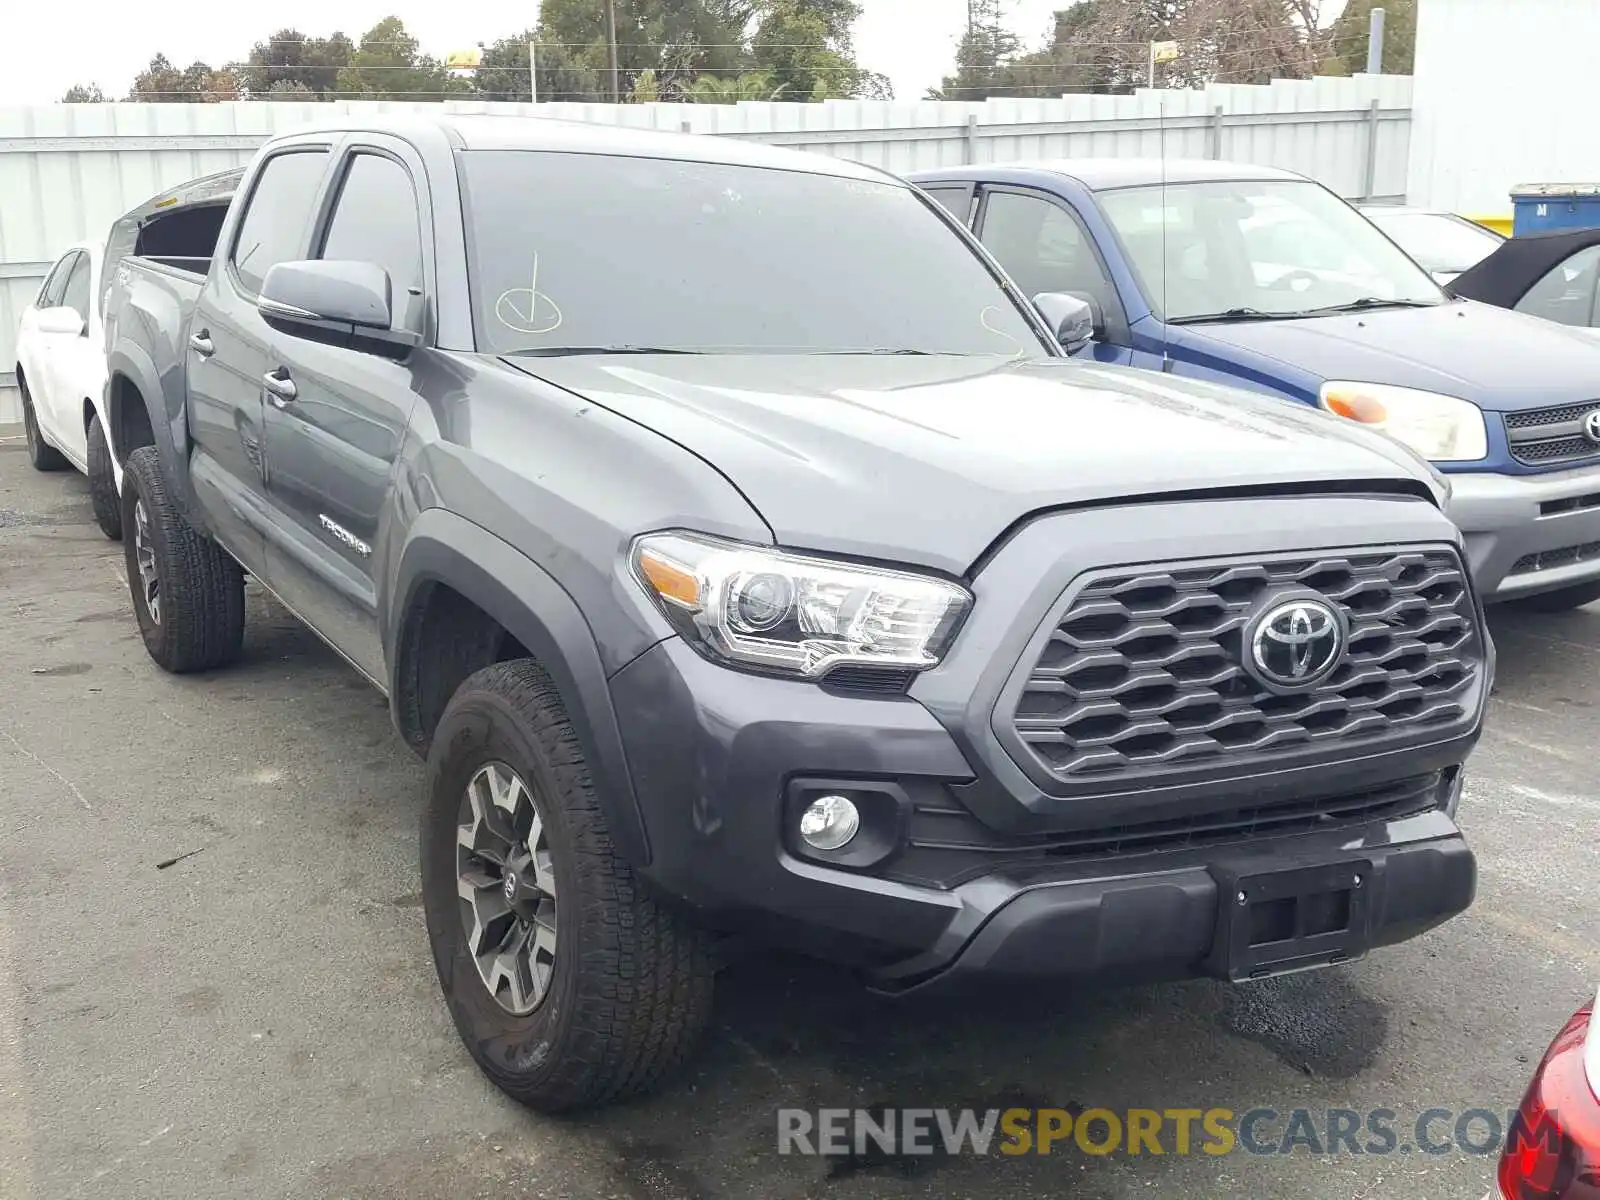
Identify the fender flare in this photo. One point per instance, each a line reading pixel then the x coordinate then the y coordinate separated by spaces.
pixel 169 424
pixel 535 609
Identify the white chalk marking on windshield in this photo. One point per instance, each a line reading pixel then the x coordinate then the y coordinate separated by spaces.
pixel 510 312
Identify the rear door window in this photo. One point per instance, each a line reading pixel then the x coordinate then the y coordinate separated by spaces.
pixel 56 282
pixel 76 295
pixel 954 198
pixel 275 225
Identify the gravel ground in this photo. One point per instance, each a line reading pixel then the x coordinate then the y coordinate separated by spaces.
pixel 215 981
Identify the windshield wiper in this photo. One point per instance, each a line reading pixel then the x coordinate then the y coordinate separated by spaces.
pixel 1235 314
pixel 1370 302
pixel 877 351
pixel 562 351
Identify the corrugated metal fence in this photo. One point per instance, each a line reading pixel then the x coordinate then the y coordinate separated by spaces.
pixel 68 171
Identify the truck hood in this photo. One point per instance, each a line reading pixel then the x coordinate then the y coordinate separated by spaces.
pixel 930 459
pixel 1501 360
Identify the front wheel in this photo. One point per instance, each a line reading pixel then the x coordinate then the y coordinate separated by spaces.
pixel 1559 600
pixel 569 985
pixel 187 593
pixel 103 482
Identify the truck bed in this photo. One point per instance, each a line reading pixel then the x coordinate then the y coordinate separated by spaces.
pixel 184 265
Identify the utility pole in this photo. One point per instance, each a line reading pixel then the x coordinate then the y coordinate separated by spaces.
pixel 533 54
pixel 611 43
pixel 1375 42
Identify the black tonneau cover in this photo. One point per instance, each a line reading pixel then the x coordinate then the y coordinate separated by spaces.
pixel 1505 276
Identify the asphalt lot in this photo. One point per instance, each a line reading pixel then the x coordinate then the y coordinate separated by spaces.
pixel 260 1019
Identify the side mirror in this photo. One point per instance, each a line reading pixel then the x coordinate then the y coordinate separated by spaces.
pixel 1074 318
pixel 60 319
pixel 341 303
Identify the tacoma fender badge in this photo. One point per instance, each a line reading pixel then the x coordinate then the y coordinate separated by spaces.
pixel 344 535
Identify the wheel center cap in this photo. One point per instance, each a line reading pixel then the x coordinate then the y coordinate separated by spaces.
pixel 511 885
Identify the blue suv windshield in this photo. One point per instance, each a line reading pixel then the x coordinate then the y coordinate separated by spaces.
pixel 1258 248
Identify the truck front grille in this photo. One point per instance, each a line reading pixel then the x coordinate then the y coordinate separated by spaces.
pixel 1141 679
pixel 1551 436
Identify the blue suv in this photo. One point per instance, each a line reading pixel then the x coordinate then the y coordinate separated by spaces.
pixel 1263 279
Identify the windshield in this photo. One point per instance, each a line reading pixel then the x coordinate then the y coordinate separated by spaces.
pixel 1276 248
pixel 601 252
pixel 1437 241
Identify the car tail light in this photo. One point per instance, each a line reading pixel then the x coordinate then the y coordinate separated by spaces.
pixel 1553 1150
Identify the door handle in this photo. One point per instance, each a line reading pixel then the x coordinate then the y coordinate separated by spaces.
pixel 200 343
pixel 280 388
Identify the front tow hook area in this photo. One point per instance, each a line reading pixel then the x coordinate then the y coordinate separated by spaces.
pixel 1234 920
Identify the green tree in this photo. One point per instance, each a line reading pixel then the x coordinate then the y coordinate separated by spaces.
pixel 563 75
pixel 676 39
pixel 1103 46
pixel 1351 32
pixel 646 88
pixel 290 57
pixel 983 62
pixel 804 45
pixel 84 94
pixel 388 65
pixel 163 83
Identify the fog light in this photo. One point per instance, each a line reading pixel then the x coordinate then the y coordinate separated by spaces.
pixel 829 823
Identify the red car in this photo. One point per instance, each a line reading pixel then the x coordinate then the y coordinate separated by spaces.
pixel 1554 1153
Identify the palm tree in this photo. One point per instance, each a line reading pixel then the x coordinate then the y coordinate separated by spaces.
pixel 730 89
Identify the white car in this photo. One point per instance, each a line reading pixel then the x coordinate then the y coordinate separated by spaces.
pixel 61 371
pixel 1441 243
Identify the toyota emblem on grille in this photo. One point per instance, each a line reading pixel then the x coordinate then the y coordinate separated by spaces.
pixel 1296 643
pixel 1591 427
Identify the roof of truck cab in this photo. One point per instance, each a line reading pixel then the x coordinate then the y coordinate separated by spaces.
pixel 481 131
pixel 1104 174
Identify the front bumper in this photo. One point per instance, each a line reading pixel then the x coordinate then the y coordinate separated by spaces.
pixel 1176 920
pixel 1527 534
pixel 715 753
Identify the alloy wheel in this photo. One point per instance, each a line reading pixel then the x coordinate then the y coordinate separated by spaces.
pixel 507 888
pixel 145 555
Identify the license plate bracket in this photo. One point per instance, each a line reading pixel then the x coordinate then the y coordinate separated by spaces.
pixel 1276 922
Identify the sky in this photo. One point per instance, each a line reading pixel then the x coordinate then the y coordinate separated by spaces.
pixel 911 41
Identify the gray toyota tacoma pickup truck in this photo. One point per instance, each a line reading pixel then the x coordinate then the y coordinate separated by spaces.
pixel 749 562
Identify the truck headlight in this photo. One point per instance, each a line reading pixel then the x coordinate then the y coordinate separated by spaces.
pixel 765 608
pixel 1440 428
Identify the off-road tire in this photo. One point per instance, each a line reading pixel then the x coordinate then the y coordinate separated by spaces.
pixel 41 453
pixel 1560 600
pixel 103 482
pixel 201 592
pixel 631 984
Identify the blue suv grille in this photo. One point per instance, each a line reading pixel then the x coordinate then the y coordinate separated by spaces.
pixel 1550 436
